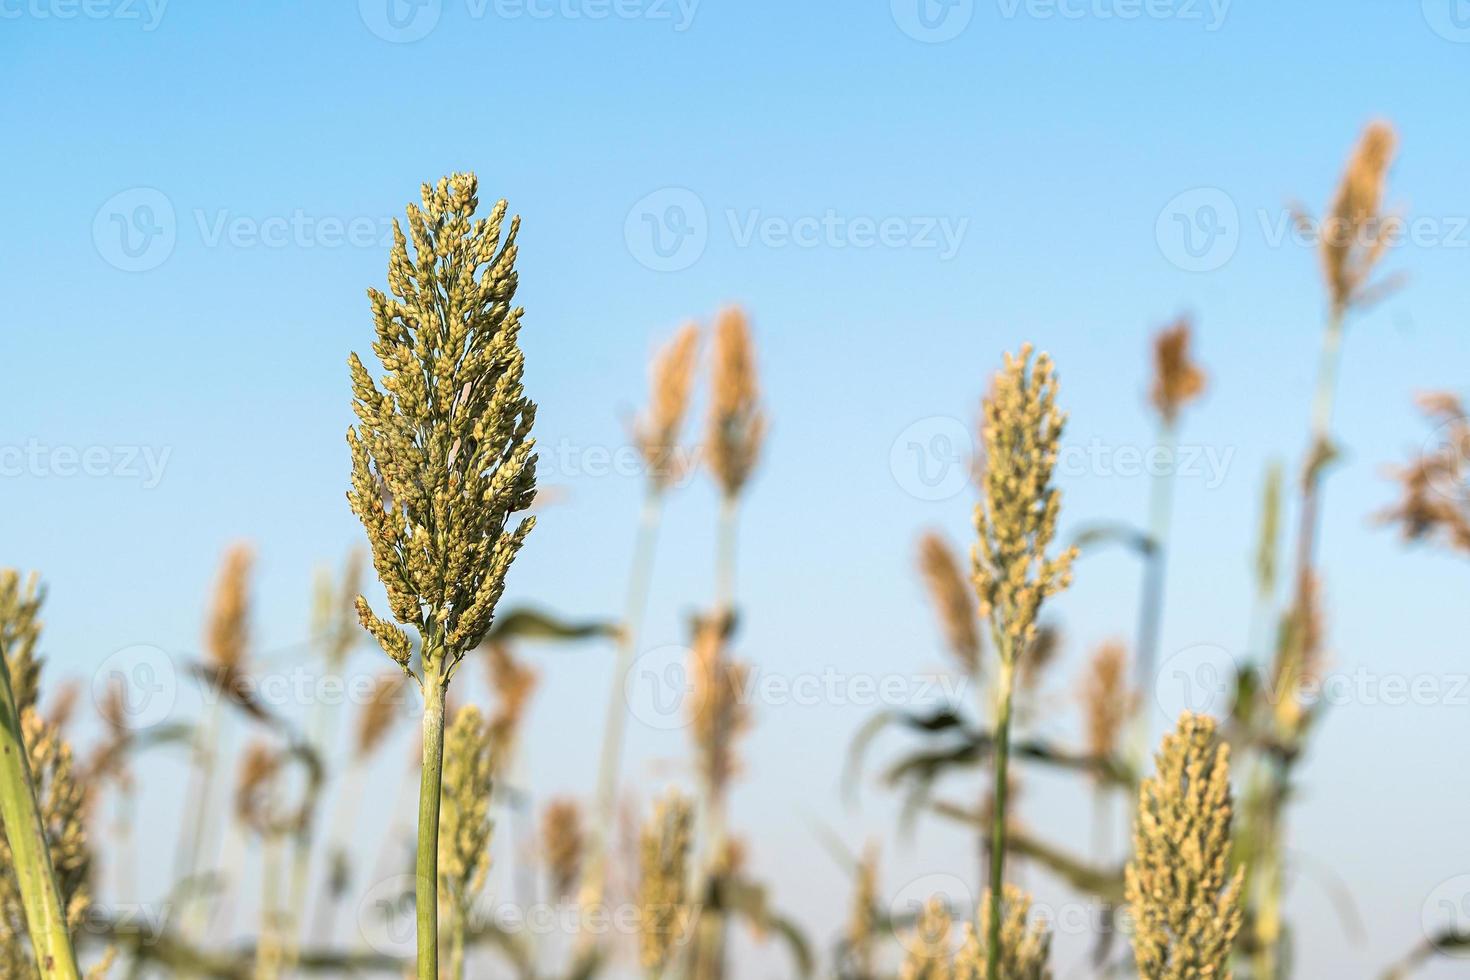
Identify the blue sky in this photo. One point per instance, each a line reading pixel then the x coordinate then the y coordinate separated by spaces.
pixel 894 212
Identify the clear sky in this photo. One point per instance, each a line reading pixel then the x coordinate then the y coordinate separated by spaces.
pixel 197 198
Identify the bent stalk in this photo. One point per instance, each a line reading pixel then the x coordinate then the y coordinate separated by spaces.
pixel 26 834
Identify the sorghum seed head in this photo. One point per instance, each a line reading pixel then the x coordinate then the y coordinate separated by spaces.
pixel 464 817
pixel 1178 380
pixel 441 454
pixel 228 631
pixel 737 427
pixel 663 888
pixel 718 711
pixel 1355 235
pixel 657 431
pixel 1016 517
pixel 1024 945
pixel 20 632
pixel 1184 899
pixel 928 955
pixel 563 842
pixel 1107 700
pixel 953 599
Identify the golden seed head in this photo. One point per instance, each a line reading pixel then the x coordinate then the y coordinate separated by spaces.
pixel 464 816
pixel 928 955
pixel 228 631
pixel 256 803
pixel 1184 899
pixel 953 600
pixel 1178 380
pixel 513 684
pixel 20 632
pixel 1024 945
pixel 1356 231
pixel 1435 486
pixel 441 454
pixel 657 432
pixel 63 704
pixel 383 707
pixel 1107 701
pixel 1016 517
pixel 718 711
pixel 663 886
pixel 564 843
pixel 737 426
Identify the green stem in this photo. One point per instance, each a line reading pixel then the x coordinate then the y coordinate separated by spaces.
pixel 1268 875
pixel 1322 402
pixel 30 855
pixel 634 608
pixel 427 868
pixel 191 849
pixel 725 557
pixel 1006 683
pixel 1151 600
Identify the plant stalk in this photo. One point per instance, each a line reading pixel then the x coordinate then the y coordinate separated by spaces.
pixel 1270 876
pixel 710 945
pixel 725 557
pixel 636 604
pixel 1322 403
pixel 426 894
pixel 1151 599
pixel 30 854
pixel 1006 682
pixel 191 843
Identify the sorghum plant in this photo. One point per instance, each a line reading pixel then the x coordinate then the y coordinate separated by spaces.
pixel 656 434
pixel 1015 521
pixel 442 463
